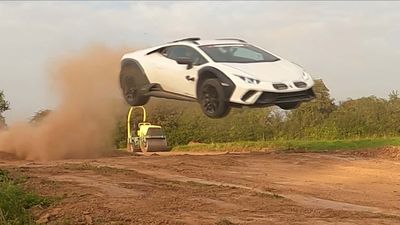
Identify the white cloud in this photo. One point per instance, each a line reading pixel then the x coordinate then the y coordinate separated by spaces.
pixel 353 46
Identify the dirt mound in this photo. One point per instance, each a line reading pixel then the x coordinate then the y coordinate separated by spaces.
pixel 392 153
pixel 389 152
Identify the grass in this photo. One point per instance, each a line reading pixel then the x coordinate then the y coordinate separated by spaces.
pixel 96 168
pixel 15 202
pixel 293 145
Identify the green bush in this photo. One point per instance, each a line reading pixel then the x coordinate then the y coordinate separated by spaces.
pixel 15 202
pixel 320 119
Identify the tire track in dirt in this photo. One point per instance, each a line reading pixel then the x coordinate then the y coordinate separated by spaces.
pixel 204 189
pixel 308 201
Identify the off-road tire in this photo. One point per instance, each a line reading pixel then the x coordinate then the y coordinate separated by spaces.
pixel 212 99
pixel 132 79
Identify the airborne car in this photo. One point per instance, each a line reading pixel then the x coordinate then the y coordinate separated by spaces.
pixel 219 74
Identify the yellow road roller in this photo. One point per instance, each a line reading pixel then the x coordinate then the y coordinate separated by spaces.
pixel 143 135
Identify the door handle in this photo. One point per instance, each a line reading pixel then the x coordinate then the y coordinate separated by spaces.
pixel 189 78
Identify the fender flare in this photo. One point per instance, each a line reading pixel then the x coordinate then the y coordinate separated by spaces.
pixel 227 83
pixel 142 79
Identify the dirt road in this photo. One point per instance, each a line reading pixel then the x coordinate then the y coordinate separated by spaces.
pixel 245 188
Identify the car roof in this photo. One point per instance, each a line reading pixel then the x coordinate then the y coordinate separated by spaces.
pixel 195 42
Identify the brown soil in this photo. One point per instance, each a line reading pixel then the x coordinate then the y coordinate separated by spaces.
pixel 246 188
pixel 383 153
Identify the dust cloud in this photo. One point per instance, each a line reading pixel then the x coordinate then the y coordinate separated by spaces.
pixel 84 122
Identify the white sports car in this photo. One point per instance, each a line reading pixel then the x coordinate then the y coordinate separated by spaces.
pixel 219 74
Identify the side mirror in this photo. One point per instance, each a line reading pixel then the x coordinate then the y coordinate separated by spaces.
pixel 185 61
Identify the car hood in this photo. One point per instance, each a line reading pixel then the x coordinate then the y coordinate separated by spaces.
pixel 269 71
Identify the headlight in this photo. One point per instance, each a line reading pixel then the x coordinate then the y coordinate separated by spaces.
pixel 248 79
pixel 306 76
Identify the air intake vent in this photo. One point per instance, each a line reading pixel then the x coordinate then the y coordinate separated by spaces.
pixel 280 86
pixel 274 97
pixel 300 84
pixel 248 95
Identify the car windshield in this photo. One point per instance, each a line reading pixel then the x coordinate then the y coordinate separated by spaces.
pixel 237 53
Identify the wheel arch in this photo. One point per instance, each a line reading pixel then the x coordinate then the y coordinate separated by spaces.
pixel 132 79
pixel 212 72
pixel 129 63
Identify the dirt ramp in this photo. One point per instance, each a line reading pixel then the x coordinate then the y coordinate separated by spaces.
pixel 84 122
pixel 391 153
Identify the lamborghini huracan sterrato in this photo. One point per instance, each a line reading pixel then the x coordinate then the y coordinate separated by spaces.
pixel 219 74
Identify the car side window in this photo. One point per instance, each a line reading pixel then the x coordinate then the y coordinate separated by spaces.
pixel 181 51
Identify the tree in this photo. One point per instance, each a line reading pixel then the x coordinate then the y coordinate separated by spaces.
pixel 309 118
pixel 394 96
pixel 363 117
pixel 39 116
pixel 394 111
pixel 4 106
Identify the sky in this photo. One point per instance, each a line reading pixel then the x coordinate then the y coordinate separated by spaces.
pixel 353 46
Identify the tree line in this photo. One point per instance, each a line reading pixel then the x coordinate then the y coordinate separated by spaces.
pixel 320 119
